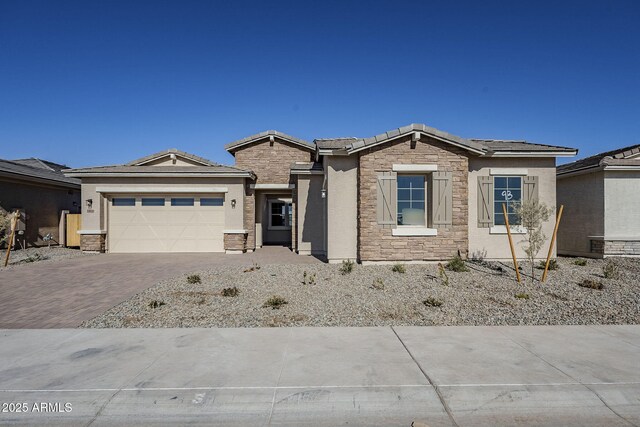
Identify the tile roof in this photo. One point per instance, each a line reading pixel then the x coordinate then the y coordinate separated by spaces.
pixel 306 166
pixel 620 154
pixel 232 146
pixel 184 154
pixel 22 168
pixel 497 145
pixel 334 143
pixel 39 163
pixel 116 169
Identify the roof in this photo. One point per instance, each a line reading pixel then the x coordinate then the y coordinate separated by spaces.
pixel 306 167
pixel 233 146
pixel 334 143
pixel 617 157
pixel 39 163
pixel 160 154
pixel 498 145
pixel 39 171
pixel 151 170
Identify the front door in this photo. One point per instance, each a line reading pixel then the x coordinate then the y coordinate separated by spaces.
pixel 279 219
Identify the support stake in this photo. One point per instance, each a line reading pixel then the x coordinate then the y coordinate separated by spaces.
pixel 553 241
pixel 14 225
pixel 513 251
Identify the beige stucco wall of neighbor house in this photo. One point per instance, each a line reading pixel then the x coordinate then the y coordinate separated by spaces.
pixel 377 242
pixel 95 219
pixel 496 246
pixel 310 215
pixel 584 212
pixel 341 208
pixel 622 205
pixel 42 204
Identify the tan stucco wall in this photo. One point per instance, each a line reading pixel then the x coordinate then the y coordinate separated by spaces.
pixel 622 205
pixel 342 207
pixel 310 215
pixel 42 204
pixel 271 163
pixel 97 220
pixel 583 216
pixel 496 246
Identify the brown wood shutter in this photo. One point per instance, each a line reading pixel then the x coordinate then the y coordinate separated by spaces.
pixel 530 186
pixel 442 195
pixel 485 201
pixel 387 199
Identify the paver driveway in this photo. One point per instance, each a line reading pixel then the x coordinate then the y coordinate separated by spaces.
pixel 65 293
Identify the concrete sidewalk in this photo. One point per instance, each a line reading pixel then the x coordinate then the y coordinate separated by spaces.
pixel 438 376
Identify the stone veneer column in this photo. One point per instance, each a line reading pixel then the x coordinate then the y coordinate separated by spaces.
pixel 92 242
pixel 250 217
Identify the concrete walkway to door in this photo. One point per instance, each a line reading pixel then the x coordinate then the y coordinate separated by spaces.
pixel 65 293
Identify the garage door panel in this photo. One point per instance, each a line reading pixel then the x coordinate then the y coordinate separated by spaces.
pixel 166 228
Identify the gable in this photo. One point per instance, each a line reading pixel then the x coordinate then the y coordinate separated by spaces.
pixel 171 157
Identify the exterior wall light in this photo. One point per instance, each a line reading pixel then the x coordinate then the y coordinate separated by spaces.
pixel 89 203
pixel 233 203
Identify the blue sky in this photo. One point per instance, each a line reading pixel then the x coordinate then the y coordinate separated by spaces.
pixel 103 82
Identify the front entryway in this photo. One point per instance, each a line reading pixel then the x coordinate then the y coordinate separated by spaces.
pixel 278 221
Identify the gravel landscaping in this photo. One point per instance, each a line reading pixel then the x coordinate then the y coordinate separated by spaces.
pixel 22 257
pixel 320 295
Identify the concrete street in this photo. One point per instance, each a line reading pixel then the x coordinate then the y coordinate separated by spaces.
pixel 437 376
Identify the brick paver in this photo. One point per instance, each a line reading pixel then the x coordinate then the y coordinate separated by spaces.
pixel 65 293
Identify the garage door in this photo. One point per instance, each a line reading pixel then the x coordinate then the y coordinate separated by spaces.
pixel 166 223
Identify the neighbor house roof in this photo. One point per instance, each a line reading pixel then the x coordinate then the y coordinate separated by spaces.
pixel 38 172
pixel 302 168
pixel 627 156
pixel 160 154
pixel 334 143
pixel 42 164
pixel 233 146
pixel 519 146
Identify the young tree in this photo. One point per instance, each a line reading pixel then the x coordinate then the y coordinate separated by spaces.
pixel 532 214
pixel 5 226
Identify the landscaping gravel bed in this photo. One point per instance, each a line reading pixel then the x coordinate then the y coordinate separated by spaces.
pixel 377 296
pixel 29 256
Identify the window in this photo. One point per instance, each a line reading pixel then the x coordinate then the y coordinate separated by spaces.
pixel 411 200
pixel 123 201
pixel 211 201
pixel 152 201
pixel 507 189
pixel 280 214
pixel 182 201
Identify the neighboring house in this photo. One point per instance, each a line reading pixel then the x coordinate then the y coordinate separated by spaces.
pixel 601 204
pixel 410 194
pixel 41 192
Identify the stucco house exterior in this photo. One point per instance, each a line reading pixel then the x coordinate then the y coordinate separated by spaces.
pixel 412 194
pixel 601 204
pixel 41 192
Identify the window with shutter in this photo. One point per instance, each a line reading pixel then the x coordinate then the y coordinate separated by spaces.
pixel 442 194
pixel 386 199
pixel 485 201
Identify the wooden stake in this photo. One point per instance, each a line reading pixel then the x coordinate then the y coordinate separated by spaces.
pixel 14 225
pixel 553 241
pixel 513 251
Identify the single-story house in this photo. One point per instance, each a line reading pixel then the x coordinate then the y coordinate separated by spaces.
pixel 601 204
pixel 411 194
pixel 41 192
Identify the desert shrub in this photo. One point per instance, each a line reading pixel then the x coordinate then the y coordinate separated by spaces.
pixel 553 264
pixel 444 279
pixel 275 302
pixel 193 279
pixel 522 295
pixel 432 302
pixel 456 264
pixel 35 257
pixel 347 266
pixel 591 284
pixel 254 267
pixel 308 279
pixel 581 262
pixel 610 270
pixel 378 283
pixel 230 292
pixel 399 268
pixel 156 303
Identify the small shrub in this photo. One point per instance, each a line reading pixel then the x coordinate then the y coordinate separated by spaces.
pixel 155 304
pixel 312 279
pixel 444 279
pixel 610 270
pixel 230 292
pixel 581 262
pixel 522 295
pixel 308 279
pixel 432 302
pixel 591 284
pixel 347 266
pixel 34 258
pixel 378 284
pixel 253 267
pixel 275 302
pixel 399 268
pixel 456 264
pixel 553 265
pixel 194 278
pixel 201 301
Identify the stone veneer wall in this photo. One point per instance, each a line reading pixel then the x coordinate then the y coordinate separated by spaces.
pixel 235 241
pixel 271 163
pixel 616 247
pixel 376 243
pixel 250 216
pixel 92 242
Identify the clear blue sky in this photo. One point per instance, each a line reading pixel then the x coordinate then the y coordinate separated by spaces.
pixel 103 82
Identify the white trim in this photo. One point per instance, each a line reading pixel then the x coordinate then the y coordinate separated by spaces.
pixel 333 152
pixel 233 251
pixel 414 168
pixel 502 229
pixel 272 186
pixel 307 172
pixel 414 231
pixel 531 154
pixel 92 231
pixel 235 231
pixel 509 171
pixel 615 238
pixel 128 189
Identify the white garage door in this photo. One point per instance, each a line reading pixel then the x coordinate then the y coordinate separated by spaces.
pixel 159 223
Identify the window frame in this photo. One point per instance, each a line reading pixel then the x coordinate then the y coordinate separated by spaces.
pixel 182 198
pixel 113 202
pixel 164 201
pixel 212 205
pixel 495 214
pixel 287 219
pixel 425 177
